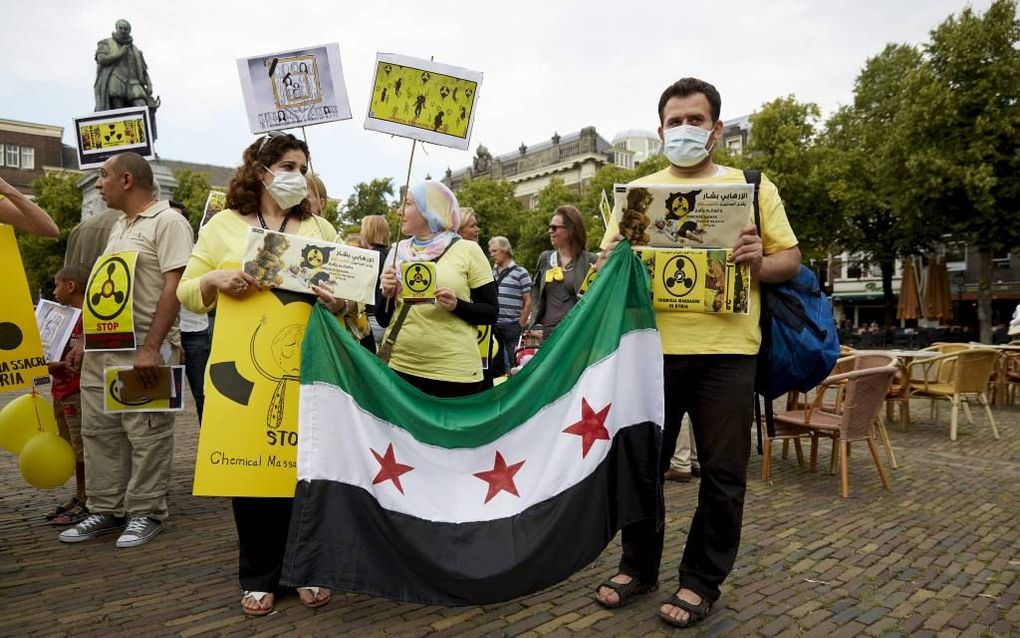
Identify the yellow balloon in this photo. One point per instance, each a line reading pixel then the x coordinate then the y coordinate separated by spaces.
pixel 23 418
pixel 47 461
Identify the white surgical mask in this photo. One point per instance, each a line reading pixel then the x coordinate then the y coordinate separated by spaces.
pixel 288 188
pixel 685 145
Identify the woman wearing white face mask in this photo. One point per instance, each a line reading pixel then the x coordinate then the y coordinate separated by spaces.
pixel 267 191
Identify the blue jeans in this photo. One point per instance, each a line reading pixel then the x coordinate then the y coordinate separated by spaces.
pixel 508 334
pixel 196 356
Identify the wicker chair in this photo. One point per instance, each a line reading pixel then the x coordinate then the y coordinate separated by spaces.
pixel 955 377
pixel 861 393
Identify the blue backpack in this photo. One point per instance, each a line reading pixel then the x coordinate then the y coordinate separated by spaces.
pixel 799 340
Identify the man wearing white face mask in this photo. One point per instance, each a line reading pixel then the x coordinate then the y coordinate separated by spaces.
pixel 708 373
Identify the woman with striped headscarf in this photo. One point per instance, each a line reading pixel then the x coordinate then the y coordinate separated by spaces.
pixel 434 346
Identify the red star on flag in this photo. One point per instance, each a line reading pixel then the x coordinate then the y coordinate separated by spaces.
pixel 389 469
pixel 591 427
pixel 500 478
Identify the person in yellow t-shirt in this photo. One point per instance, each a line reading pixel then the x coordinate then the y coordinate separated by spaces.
pixel 435 347
pixel 708 373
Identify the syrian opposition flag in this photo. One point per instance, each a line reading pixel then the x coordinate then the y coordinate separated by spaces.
pixel 487 497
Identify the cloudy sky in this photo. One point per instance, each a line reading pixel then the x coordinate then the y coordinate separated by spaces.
pixel 549 65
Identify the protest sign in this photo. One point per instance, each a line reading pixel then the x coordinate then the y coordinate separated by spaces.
pixel 104 134
pixel 21 352
pixel 696 280
pixel 682 216
pixel 248 442
pixel 418 280
pixel 295 263
pixel 423 100
pixel 117 380
pixel 56 323
pixel 214 203
pixel 108 313
pixel 294 88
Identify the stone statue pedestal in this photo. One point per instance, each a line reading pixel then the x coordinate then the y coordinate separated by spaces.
pixel 93 204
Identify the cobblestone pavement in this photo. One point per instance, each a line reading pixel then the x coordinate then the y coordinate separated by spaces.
pixel 936 556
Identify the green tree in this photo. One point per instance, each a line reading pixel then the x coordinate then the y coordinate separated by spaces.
pixel 603 181
pixel 371 198
pixel 961 126
pixel 498 210
pixel 59 196
pixel 192 191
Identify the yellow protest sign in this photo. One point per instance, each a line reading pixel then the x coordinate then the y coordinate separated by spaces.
pixel 112 135
pixel 114 399
pixel 21 351
pixel 108 315
pixel 248 442
pixel 589 279
pixel 696 280
pixel 419 282
pixel 487 346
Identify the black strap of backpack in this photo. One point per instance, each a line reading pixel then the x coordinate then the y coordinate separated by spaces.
pixel 754 177
pixel 386 348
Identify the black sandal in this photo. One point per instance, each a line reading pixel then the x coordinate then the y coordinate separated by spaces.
pixel 626 592
pixel 63 509
pixel 695 613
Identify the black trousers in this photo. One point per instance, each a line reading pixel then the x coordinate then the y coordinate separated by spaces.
pixel 716 390
pixel 262 525
pixel 445 389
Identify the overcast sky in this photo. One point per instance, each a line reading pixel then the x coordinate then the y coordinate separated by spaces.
pixel 548 65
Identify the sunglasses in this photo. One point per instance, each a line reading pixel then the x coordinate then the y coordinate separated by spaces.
pixel 554 227
pixel 269 136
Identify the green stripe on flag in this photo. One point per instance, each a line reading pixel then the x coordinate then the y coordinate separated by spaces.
pixel 616 304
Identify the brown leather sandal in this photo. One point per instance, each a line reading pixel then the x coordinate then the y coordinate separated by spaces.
pixel 695 613
pixel 626 592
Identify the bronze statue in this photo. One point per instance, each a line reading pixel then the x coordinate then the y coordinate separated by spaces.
pixel 122 77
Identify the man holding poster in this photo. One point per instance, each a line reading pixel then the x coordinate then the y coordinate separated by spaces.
pixel 129 455
pixel 708 360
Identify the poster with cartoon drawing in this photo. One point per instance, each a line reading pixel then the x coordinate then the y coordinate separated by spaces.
pixel 56 323
pixel 295 88
pixel 248 442
pixel 291 262
pixel 423 100
pixel 682 216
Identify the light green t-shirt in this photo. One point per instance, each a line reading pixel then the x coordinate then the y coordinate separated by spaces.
pixel 434 343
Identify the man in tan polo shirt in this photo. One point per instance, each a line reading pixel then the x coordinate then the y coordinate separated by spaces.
pixel 129 455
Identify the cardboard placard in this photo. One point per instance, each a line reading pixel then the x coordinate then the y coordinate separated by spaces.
pixel 104 134
pixel 21 352
pixel 418 282
pixel 123 392
pixel 108 313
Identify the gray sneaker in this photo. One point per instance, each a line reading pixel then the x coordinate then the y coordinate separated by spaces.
pixel 138 531
pixel 93 526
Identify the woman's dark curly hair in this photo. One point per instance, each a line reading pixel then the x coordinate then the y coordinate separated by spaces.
pixel 246 186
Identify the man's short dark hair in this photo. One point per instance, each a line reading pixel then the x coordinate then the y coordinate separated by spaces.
pixel 77 274
pixel 689 86
pixel 179 207
pixel 136 165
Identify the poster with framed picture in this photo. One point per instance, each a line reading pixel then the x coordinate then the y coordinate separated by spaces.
pixel 104 134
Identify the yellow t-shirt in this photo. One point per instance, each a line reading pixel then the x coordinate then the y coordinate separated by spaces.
pixel 221 242
pixel 434 343
pixel 709 333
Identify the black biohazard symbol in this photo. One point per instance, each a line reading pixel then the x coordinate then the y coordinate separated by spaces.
pixel 418 278
pixel 387 68
pixel 468 92
pixel 104 299
pixel 425 76
pixel 115 386
pixel 679 275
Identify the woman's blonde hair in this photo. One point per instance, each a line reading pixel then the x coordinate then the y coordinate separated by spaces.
pixel 375 230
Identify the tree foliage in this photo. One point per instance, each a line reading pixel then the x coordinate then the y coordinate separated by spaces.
pixel 371 198
pixel 59 196
pixel 192 191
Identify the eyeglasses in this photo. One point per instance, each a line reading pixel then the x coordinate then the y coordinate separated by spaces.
pixel 271 135
pixel 554 227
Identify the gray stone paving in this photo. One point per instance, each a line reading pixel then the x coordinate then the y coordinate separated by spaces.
pixel 937 556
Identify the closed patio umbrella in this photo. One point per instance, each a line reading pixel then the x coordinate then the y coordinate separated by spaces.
pixel 909 306
pixel 937 298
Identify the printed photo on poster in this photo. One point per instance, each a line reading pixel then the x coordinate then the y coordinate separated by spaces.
pixel 248 442
pixel 696 280
pixel 56 323
pixel 21 354
pixel 214 203
pixel 116 399
pixel 104 134
pixel 682 216
pixel 295 88
pixel 423 100
pixel 291 262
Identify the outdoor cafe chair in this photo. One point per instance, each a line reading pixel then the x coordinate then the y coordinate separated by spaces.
pixel 969 371
pixel 861 392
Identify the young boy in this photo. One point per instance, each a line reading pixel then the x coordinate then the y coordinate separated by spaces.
pixel 70 284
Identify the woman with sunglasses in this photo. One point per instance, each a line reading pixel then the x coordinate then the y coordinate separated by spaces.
pixel 434 346
pixel 560 271
pixel 267 191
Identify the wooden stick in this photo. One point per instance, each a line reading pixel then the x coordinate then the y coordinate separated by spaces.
pixel 400 218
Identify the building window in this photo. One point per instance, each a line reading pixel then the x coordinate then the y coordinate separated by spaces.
pixel 27 158
pixel 13 156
